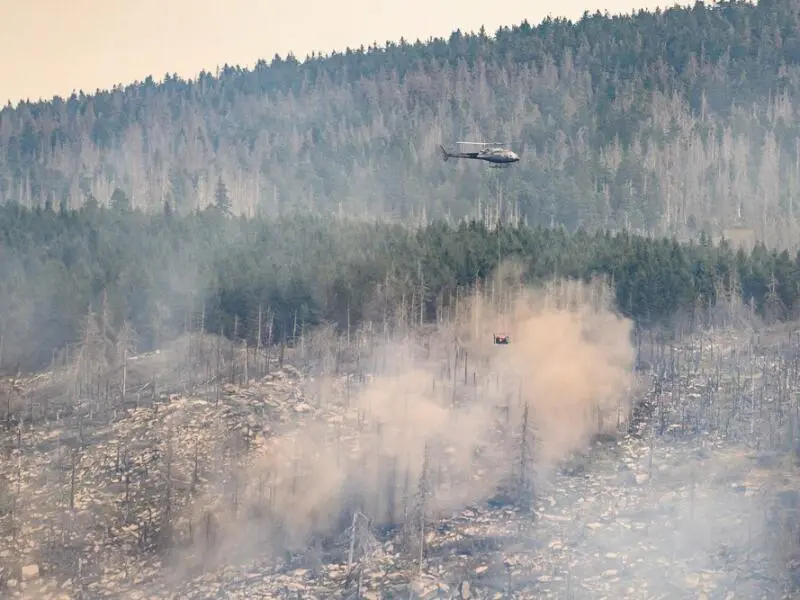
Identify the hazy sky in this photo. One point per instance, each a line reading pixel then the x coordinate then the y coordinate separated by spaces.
pixel 54 47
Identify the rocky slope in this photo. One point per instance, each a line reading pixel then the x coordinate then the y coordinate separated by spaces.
pixel 180 489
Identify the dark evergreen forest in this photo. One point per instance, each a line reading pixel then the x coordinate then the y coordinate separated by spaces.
pixel 665 123
pixel 147 277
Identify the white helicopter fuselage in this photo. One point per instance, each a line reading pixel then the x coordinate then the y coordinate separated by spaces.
pixel 496 155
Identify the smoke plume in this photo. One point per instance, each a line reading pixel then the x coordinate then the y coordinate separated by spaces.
pixel 438 423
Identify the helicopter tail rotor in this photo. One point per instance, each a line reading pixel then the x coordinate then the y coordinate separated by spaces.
pixel 445 153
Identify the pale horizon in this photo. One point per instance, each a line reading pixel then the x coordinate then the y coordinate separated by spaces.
pixel 96 45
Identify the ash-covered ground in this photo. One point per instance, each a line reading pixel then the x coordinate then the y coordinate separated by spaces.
pixel 412 467
pixel 700 519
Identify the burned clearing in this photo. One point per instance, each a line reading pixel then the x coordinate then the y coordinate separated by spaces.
pixel 400 461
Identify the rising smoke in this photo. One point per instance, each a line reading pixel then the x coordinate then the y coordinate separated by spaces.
pixel 438 424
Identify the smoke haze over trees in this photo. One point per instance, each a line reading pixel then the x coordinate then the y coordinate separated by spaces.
pixel 660 122
pixel 270 281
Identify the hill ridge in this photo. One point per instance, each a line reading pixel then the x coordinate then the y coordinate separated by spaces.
pixel 662 122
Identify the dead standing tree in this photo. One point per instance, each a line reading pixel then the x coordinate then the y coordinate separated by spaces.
pixel 362 545
pixel 92 361
pixel 414 525
pixel 524 485
pixel 125 347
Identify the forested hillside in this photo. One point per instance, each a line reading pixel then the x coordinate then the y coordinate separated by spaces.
pixel 663 123
pixel 137 279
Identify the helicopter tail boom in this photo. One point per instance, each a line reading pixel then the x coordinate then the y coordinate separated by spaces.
pixel 446 154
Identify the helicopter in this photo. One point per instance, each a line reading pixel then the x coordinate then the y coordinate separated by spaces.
pixel 492 152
